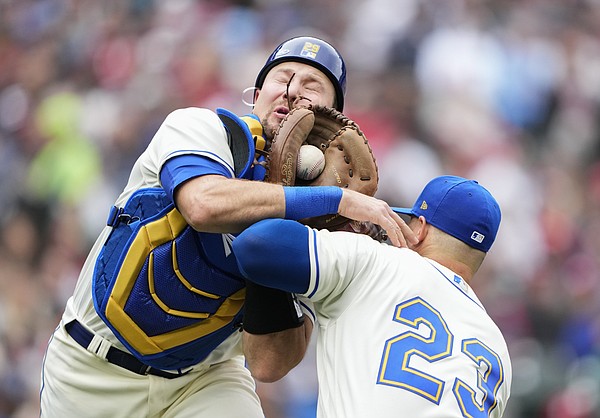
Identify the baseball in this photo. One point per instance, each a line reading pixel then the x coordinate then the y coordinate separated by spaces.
pixel 311 162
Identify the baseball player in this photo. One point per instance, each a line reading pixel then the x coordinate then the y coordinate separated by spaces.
pixel 400 331
pixel 152 329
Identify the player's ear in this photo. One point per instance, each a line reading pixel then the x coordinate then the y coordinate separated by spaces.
pixel 421 230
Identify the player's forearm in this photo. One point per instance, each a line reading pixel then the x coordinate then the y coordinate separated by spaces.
pixel 270 357
pixel 214 203
pixel 221 205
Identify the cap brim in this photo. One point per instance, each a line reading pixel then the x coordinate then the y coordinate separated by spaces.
pixel 403 211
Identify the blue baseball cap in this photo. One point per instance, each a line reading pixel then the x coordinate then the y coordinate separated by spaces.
pixel 314 52
pixel 460 207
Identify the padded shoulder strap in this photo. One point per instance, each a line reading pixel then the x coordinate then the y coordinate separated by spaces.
pixel 241 142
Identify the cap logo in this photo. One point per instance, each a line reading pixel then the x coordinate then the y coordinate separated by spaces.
pixel 476 236
pixel 423 205
pixel 310 50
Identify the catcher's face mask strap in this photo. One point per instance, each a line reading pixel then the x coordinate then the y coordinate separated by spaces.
pixel 241 141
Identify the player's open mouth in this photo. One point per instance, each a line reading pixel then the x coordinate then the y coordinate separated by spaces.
pixel 281 111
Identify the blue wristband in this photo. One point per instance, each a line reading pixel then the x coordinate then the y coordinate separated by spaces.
pixel 309 201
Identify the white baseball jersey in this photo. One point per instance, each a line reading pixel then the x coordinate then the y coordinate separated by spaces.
pixel 77 383
pixel 400 335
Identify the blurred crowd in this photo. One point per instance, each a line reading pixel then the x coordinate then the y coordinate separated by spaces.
pixel 505 92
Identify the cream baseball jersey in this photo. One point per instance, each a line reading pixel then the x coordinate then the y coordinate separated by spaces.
pixel 399 335
pixel 191 131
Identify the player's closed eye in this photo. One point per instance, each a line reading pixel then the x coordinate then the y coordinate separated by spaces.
pixel 314 87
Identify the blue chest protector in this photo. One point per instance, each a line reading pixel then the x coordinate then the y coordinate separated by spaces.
pixel 169 293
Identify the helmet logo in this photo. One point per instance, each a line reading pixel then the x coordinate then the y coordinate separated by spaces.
pixel 283 51
pixel 310 50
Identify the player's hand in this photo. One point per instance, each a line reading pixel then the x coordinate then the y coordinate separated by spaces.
pixel 358 206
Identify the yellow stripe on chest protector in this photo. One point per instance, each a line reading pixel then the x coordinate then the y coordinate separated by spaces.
pixel 256 130
pixel 182 279
pixel 148 238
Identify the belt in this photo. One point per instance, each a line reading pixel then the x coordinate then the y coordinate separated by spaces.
pixel 115 356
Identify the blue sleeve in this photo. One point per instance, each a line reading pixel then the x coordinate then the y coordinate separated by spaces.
pixel 184 167
pixel 275 253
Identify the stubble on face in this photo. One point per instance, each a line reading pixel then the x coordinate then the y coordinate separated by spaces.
pixel 270 123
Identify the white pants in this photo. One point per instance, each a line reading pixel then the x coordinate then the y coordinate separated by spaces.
pixel 77 383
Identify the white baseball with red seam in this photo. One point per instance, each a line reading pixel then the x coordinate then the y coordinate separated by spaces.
pixel 311 162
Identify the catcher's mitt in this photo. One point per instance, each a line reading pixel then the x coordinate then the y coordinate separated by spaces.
pixel 349 160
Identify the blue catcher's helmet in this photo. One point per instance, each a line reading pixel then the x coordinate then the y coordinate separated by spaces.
pixel 312 51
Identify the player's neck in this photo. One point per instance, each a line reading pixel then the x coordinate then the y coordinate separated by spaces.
pixel 457 267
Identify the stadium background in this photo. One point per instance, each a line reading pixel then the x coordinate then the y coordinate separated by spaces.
pixel 507 92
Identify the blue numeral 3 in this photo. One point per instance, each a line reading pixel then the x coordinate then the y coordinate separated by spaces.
pixel 489 380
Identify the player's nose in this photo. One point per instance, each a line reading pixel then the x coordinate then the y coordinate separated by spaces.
pixel 292 90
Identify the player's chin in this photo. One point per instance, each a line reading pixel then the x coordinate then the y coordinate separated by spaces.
pixel 270 126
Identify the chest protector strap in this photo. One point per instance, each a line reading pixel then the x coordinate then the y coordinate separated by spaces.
pixel 157 290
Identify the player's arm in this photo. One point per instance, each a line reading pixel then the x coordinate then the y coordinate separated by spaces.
pixel 269 357
pixel 275 253
pixel 276 333
pixel 285 262
pixel 214 203
pixel 211 201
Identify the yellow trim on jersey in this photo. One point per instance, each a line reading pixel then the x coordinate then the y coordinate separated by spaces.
pixel 148 238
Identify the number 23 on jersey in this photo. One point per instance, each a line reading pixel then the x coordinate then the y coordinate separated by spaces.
pixel 396 370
